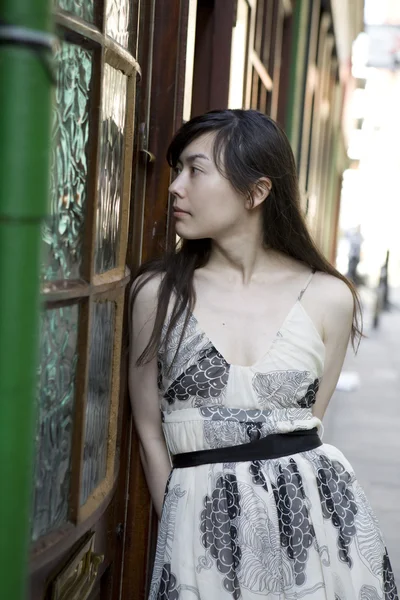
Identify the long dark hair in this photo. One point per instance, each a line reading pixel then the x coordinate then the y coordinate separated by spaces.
pixel 248 145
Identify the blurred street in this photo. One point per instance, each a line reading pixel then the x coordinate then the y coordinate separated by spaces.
pixel 365 423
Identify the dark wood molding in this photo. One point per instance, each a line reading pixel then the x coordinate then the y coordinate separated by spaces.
pixel 164 120
pixel 138 531
pixel 212 60
pixel 286 55
pixel 42 577
pixel 49 549
pixel 224 15
pixel 159 115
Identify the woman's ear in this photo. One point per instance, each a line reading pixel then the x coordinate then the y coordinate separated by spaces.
pixel 260 192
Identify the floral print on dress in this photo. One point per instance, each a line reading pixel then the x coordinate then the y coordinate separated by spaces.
pixel 231 427
pixel 390 589
pixel 262 572
pixel 239 415
pixel 163 579
pixel 258 477
pixel 296 529
pixel 278 389
pixel 338 503
pixel 219 530
pixel 310 396
pixel 204 381
pixel 168 589
pixel 367 592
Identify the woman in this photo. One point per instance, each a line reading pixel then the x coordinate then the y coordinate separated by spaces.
pixel 240 337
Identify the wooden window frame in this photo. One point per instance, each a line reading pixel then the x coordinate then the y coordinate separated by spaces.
pixel 262 80
pixel 325 140
pixel 109 285
pixel 323 53
pixel 309 97
pixel 255 65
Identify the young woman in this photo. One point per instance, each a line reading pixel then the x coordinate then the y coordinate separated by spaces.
pixel 239 338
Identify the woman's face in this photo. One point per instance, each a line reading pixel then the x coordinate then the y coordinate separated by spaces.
pixel 205 204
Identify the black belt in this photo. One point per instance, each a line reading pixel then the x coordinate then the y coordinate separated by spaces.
pixel 275 445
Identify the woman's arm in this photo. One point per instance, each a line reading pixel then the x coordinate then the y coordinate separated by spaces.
pixel 336 333
pixel 144 396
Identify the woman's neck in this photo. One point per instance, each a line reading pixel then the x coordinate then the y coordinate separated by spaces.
pixel 242 258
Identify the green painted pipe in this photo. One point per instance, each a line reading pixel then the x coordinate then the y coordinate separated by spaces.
pixel 297 74
pixel 25 109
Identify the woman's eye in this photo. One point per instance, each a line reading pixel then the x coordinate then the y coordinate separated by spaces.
pixel 178 170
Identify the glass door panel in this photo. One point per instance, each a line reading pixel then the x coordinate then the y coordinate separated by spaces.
pixel 110 173
pixel 81 8
pixel 56 400
pixel 119 21
pixel 63 230
pixel 98 396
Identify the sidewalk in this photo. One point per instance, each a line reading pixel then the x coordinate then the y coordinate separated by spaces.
pixel 365 423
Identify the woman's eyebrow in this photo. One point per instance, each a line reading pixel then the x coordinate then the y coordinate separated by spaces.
pixel 192 157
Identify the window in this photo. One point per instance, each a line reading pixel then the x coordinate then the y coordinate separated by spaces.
pixel 83 268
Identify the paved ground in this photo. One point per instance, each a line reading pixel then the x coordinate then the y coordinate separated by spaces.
pixel 365 424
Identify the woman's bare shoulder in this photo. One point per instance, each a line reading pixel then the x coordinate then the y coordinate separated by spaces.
pixel 334 293
pixel 143 299
pixel 145 288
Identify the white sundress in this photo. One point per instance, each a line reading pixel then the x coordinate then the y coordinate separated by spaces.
pixel 295 527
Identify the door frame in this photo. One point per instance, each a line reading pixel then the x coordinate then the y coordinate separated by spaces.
pixel 160 115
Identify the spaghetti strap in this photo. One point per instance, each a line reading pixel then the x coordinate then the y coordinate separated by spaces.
pixel 307 284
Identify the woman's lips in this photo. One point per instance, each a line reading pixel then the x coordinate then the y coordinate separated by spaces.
pixel 178 212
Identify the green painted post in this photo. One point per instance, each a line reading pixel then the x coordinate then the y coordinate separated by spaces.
pixel 298 72
pixel 25 108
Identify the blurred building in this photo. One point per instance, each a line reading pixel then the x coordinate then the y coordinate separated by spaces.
pixel 370 195
pixel 128 73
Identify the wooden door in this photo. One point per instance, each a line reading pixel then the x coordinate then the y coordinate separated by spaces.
pixel 159 115
pixel 76 532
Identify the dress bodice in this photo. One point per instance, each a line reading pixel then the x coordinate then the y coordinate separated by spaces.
pixel 207 402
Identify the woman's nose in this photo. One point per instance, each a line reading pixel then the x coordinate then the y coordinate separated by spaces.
pixel 176 188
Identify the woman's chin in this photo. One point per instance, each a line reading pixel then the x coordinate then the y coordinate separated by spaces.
pixel 186 233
